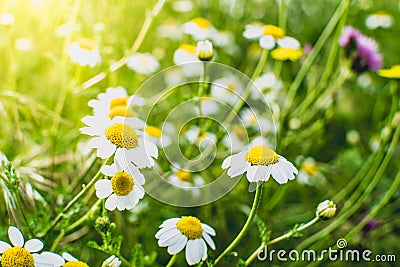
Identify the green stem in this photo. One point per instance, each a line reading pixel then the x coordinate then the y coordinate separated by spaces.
pixel 7 182
pixel 171 261
pixel 256 202
pixel 57 240
pixel 76 199
pixel 279 239
pixel 120 63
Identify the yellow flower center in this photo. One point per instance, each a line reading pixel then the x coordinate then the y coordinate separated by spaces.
pixel 75 264
pixel 260 155
pixel 119 101
pixel 202 23
pixel 17 257
pixel 274 31
pixel 86 43
pixel 184 176
pixel 190 227
pixel 230 86
pixel 122 183
pixel 310 168
pixel 121 135
pixel 153 131
pixel 121 111
pixel 283 54
pixel 191 49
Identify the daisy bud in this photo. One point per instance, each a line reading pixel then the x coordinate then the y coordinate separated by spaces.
pixel 102 224
pixel 111 261
pixel 204 50
pixel 326 209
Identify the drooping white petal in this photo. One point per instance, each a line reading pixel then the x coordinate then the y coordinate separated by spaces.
pixel 267 42
pixel 208 229
pixel 203 249
pixel 227 162
pixel 178 246
pixel 139 157
pixel 111 202
pixel 209 240
pixel 106 149
pixel 69 257
pixel 15 236
pixel 192 252
pixel 103 188
pixel 278 174
pixel 4 246
pixel 34 245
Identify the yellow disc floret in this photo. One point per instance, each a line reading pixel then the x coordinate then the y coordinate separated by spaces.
pixel 153 131
pixel 310 168
pixel 86 43
pixel 122 183
pixel 75 264
pixel 283 54
pixel 274 31
pixel 191 49
pixel 184 176
pixel 17 257
pixel 190 227
pixel 119 101
pixel 202 23
pixel 260 155
pixel 122 111
pixel 121 135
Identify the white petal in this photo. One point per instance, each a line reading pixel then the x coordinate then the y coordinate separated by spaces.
pixel 136 100
pixel 47 256
pixel 151 148
pixel 69 257
pixel 267 42
pixel 209 240
pixel 203 249
pixel 289 42
pixel 170 222
pixel 192 252
pixel 161 232
pixel 4 246
pixel 111 202
pixel 123 202
pixel 178 246
pixel 109 170
pixel 227 162
pixel 139 157
pixel 103 188
pixel 15 236
pixel 106 149
pixel 278 174
pixel 34 245
pixel 208 229
pixel 169 240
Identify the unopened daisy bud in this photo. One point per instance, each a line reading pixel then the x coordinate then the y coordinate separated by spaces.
pixel 111 261
pixel 326 209
pixel 102 224
pixel 204 50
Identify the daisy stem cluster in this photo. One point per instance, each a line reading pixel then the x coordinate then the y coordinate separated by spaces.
pixel 70 204
pixel 235 242
pixel 280 238
pixel 135 46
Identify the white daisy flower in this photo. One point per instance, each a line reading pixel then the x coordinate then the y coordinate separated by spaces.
pixel 185 54
pixel 19 255
pixel 122 137
pixel 227 89
pixel 170 29
pixel 186 180
pixel 199 29
pixel 72 261
pixel 260 163
pixel 115 102
pixel 379 19
pixel 112 261
pixel 193 136
pixel 23 44
pixel 124 190
pixel 7 19
pixel 223 38
pixel 84 51
pixel 309 173
pixel 189 232
pixel 209 106
pixel 157 136
pixel 237 137
pixel 266 85
pixel 204 50
pixel 143 63
pixel 253 120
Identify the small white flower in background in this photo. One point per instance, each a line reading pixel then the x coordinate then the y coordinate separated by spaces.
pixel 71 259
pixel 186 53
pixel 227 89
pixel 182 5
pixel 199 28
pixel 67 29
pixel 115 102
pixel 170 29
pixel 236 139
pixel 223 38
pixel 252 119
pixel 122 136
pixel 310 173
pixel 204 50
pixel 84 51
pixel 19 255
pixel 124 190
pixel 193 136
pixel 379 19
pixel 189 232
pixel 7 19
pixel 209 106
pixel 157 136
pixel 99 26
pixel 111 261
pixel 143 63
pixel 23 44
pixel 259 163
pixel 266 85
pixel 186 180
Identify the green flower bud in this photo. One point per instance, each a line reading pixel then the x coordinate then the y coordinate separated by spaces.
pixel 326 210
pixel 204 50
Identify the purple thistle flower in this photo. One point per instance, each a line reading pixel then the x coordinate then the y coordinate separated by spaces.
pixel 361 49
